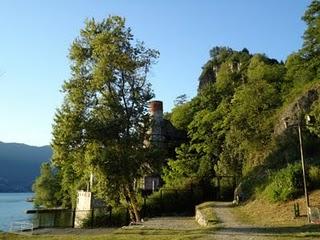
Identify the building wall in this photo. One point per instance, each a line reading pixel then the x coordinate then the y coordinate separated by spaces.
pixel 151 183
pixel 83 200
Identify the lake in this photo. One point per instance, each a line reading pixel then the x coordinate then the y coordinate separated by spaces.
pixel 13 207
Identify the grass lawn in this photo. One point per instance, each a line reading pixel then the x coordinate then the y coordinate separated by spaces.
pixel 263 213
pixel 278 217
pixel 122 234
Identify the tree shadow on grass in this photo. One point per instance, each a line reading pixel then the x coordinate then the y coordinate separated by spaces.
pixel 159 232
pixel 285 231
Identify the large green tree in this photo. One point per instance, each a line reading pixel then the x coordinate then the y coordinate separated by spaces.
pixel 102 124
pixel 303 66
pixel 311 44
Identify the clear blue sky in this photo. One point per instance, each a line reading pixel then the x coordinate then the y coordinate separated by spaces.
pixel 36 35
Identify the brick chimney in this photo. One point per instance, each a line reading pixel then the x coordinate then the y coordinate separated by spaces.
pixel 156 110
pixel 156 113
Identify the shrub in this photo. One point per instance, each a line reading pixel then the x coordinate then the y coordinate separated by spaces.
pixel 172 202
pixel 314 176
pixel 285 184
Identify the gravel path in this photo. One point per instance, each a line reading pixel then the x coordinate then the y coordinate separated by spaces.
pixel 230 227
pixel 177 223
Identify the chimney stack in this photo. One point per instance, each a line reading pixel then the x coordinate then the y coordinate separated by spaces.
pixel 156 110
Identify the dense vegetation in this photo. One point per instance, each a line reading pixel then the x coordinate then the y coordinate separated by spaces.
pixel 236 122
pixel 242 122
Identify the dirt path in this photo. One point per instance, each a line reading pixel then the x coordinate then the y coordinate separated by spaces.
pixel 177 223
pixel 232 229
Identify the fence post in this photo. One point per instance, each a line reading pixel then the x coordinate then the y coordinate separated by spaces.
pixel 191 197
pixel 219 189
pixel 54 218
pixel 296 210
pixel 92 217
pixel 161 202
pixel 127 217
pixel 73 211
pixel 39 220
pixel 110 216
pixel 144 206
pixel 177 200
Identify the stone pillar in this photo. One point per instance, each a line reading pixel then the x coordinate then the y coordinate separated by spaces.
pixel 83 208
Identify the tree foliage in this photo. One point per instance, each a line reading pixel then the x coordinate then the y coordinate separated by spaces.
pixel 103 121
pixel 47 187
pixel 240 100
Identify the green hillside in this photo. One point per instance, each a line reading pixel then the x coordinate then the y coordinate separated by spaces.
pixel 244 121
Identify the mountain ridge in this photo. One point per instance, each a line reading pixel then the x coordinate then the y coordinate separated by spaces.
pixel 20 165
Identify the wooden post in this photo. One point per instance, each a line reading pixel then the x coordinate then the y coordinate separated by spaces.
pixel 296 210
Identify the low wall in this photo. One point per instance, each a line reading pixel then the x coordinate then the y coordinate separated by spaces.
pixel 46 218
pixel 200 218
pixel 200 215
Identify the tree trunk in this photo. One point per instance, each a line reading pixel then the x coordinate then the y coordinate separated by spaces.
pixel 133 204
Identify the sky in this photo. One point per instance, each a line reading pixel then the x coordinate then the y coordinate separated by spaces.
pixel 36 36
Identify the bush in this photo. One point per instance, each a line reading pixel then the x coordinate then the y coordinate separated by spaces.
pixel 285 184
pixel 227 186
pixel 314 176
pixel 172 202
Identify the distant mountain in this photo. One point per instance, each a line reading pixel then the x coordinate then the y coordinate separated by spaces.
pixel 20 165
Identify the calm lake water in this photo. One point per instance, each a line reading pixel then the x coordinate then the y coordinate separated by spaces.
pixel 13 207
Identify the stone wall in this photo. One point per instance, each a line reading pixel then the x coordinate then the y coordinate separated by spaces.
pixel 200 217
